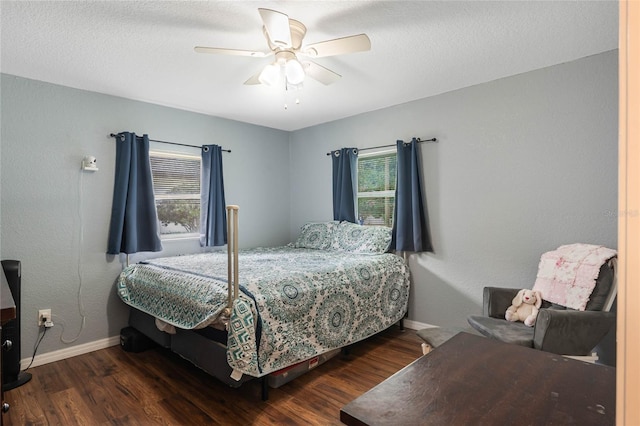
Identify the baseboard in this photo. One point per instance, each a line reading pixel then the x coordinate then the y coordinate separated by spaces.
pixel 70 352
pixel 115 340
pixel 592 359
pixel 415 325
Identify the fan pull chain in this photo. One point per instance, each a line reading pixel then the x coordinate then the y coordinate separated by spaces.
pixel 289 88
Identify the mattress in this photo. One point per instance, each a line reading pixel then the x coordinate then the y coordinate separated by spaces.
pixel 294 303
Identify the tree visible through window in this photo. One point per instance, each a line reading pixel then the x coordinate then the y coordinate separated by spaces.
pixel 376 188
pixel 176 186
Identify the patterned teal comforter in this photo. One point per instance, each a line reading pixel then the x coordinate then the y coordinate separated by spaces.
pixel 294 303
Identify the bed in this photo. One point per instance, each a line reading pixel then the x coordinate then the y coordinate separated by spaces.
pixel 334 286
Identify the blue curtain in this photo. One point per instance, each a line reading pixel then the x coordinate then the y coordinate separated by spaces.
pixel 134 220
pixel 410 227
pixel 213 213
pixel 344 184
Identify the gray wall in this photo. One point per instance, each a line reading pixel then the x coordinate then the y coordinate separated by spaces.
pixel 522 165
pixel 49 204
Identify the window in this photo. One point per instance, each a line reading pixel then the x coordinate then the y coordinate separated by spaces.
pixel 176 186
pixel 376 188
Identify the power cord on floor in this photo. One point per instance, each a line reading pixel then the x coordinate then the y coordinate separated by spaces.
pixel 36 347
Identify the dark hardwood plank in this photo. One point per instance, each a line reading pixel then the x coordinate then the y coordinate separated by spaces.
pixel 70 406
pixel 156 387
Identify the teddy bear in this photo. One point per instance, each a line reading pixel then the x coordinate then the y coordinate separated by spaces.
pixel 524 307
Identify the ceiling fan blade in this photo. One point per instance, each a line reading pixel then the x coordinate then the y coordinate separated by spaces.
pixel 320 73
pixel 254 79
pixel 277 27
pixel 235 52
pixel 338 46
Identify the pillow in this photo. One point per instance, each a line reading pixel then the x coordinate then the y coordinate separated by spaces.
pixel 316 235
pixel 361 239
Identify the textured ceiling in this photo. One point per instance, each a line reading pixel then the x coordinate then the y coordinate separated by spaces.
pixel 143 50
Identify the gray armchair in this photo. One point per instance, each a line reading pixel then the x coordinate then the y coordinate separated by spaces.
pixel 557 329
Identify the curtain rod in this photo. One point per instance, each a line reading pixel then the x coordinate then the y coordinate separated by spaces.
pixel 387 146
pixel 113 135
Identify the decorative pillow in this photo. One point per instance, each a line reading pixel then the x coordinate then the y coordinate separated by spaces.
pixel 316 235
pixel 361 239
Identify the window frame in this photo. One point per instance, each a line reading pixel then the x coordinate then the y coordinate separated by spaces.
pixel 157 152
pixel 390 193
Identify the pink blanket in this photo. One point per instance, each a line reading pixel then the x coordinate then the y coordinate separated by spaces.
pixel 567 276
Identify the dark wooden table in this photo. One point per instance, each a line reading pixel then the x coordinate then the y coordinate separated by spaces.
pixel 471 380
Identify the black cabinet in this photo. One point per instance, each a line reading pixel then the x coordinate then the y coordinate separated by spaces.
pixel 11 376
pixel 7 313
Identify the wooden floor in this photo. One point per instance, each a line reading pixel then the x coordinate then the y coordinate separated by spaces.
pixel 113 387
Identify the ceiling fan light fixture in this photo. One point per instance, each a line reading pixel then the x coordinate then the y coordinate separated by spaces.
pixel 269 75
pixel 285 38
pixel 294 71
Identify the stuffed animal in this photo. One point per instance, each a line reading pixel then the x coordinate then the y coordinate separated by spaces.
pixel 524 307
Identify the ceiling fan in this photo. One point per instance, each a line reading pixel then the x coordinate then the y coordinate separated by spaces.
pixel 284 38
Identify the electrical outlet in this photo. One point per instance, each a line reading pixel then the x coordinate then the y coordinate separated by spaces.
pixel 44 315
